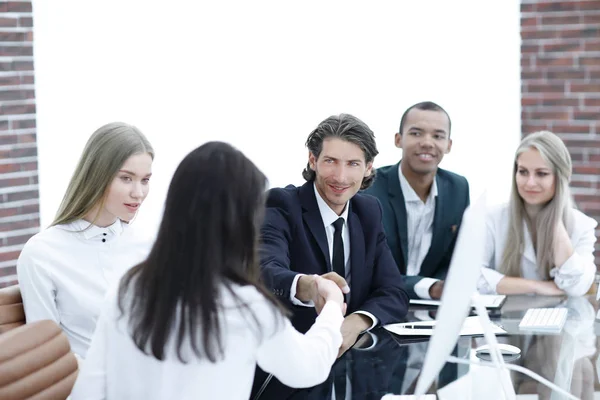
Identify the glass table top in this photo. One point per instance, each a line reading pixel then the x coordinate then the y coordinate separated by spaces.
pixel 382 363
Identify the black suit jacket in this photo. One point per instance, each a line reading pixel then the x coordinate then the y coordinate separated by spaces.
pixel 294 241
pixel 450 204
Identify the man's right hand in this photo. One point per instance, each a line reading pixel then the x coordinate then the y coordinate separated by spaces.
pixel 436 290
pixel 329 291
pixel 307 290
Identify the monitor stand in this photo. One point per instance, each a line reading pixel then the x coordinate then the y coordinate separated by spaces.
pixel 497 359
pixel 498 362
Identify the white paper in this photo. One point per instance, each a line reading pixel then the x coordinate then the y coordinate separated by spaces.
pixel 470 327
pixel 488 300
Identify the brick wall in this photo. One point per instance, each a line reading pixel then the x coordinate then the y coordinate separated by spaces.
pixel 19 199
pixel 560 73
pixel 560 86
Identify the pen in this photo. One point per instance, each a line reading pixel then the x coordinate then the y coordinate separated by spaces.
pixel 418 326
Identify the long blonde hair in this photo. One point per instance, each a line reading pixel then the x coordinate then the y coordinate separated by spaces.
pixel 104 154
pixel 542 228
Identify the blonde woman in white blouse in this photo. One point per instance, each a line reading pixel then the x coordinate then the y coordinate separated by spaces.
pixel 539 243
pixel 65 270
pixel 193 320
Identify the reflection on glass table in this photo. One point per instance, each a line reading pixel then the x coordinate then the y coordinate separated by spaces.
pixel 382 363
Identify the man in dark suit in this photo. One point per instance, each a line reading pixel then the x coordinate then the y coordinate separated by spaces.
pixel 422 204
pixel 325 228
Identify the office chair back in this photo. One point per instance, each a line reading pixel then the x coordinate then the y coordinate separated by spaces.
pixel 36 363
pixel 12 314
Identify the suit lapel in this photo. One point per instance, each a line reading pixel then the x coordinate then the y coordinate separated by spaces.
pixel 440 236
pixel 357 258
pixel 397 204
pixel 314 221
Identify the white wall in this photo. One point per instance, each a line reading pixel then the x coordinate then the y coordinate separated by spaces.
pixel 262 74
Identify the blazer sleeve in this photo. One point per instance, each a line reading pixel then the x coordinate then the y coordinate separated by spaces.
pixel 37 287
pixel 577 274
pixel 467 194
pixel 409 283
pixel 299 360
pixel 276 236
pixel 387 300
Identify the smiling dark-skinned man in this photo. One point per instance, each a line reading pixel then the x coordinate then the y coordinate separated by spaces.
pixel 422 204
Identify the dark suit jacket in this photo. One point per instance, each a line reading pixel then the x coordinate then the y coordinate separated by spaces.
pixel 372 373
pixel 294 241
pixel 451 202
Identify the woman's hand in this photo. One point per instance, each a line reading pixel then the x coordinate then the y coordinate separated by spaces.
pixel 327 290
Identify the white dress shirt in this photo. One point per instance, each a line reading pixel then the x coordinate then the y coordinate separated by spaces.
pixel 65 270
pixel 328 216
pixel 116 369
pixel 419 224
pixel 575 276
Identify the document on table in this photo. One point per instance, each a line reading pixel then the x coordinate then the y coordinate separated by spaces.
pixel 471 327
pixel 491 301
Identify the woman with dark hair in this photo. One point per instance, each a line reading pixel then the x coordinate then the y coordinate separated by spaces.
pixel 192 320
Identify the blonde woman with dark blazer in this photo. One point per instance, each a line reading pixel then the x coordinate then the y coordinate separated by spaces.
pixel 65 270
pixel 539 243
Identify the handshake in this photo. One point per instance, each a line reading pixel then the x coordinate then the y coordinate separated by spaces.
pixel 331 287
pixel 321 289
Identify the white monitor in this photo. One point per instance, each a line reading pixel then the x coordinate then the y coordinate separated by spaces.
pixel 459 288
pixel 460 292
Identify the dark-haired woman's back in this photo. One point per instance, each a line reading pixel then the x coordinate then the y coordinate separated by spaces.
pixel 202 278
pixel 116 369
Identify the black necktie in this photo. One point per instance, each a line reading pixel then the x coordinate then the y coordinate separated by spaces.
pixel 338 249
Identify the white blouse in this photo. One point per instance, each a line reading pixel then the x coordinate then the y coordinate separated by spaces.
pixel 65 270
pixel 116 369
pixel 575 276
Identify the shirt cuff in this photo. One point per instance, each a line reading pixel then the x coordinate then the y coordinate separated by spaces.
pixel 575 276
pixel 293 298
pixel 372 346
pixel 368 314
pixel 489 281
pixel 422 287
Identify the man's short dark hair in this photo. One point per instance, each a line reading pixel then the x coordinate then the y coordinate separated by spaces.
pixel 425 106
pixel 348 128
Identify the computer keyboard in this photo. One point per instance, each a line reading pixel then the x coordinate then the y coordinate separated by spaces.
pixel 544 319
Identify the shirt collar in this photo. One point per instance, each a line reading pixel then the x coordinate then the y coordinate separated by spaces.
pixel 410 194
pixel 327 214
pixel 89 230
